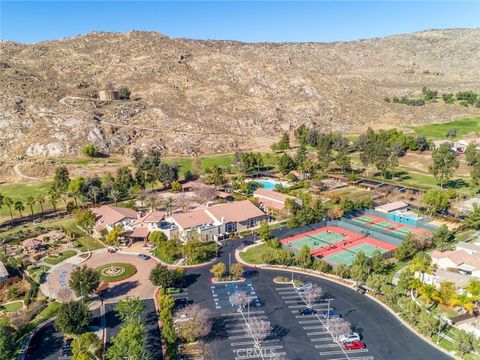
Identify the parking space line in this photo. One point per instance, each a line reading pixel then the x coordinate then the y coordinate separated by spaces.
pixel 314 327
pixel 318 333
pixel 321 339
pixel 313 321
pixel 341 352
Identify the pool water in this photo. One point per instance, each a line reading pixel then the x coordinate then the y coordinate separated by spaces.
pixel 268 184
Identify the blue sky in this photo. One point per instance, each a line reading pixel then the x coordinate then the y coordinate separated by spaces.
pixel 32 21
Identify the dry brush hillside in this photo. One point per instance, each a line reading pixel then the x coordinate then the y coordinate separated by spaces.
pixel 192 97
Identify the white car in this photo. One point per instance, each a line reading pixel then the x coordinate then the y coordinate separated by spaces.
pixel 307 286
pixel 353 336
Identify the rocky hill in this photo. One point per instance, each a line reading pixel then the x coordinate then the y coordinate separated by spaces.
pixel 191 97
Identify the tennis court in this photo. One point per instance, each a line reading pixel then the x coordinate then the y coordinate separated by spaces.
pixel 317 239
pixel 380 224
pixel 346 256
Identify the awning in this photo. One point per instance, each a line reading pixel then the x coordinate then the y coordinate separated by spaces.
pixel 139 232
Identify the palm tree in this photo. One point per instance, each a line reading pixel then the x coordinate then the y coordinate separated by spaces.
pixel 429 294
pixel 40 200
pixel 64 196
pixel 115 195
pixel 94 191
pixel 168 205
pixel 9 203
pixel 142 197
pixel 19 207
pixel 151 202
pixel 216 176
pixel 132 192
pixel 30 202
pixel 52 199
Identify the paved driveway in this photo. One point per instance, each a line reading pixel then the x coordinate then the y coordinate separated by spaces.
pixel 138 285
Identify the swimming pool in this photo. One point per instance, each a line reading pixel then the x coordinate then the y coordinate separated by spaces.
pixel 269 184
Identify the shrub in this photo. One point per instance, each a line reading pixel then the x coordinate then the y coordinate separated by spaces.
pixel 90 151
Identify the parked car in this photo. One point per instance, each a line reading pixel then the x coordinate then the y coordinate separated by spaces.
pixel 331 314
pixel 307 286
pixel 307 311
pixel 247 242
pixel 66 350
pixel 354 345
pixel 37 221
pixel 143 256
pixel 353 336
pixel 112 249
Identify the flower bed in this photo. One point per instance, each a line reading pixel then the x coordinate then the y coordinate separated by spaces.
pixel 116 271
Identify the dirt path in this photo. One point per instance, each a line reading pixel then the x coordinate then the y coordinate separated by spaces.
pixel 17 171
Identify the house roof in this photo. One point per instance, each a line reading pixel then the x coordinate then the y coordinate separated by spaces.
pixel 3 270
pixel 274 205
pixel 192 218
pixel 29 243
pixel 139 232
pixel 223 195
pixel 470 246
pixel 272 195
pixel 235 211
pixel 228 212
pixel 458 257
pixel 109 215
pixel 151 217
pixel 392 206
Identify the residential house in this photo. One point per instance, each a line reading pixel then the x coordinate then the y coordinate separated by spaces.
pixel 214 222
pixel 110 216
pixel 457 260
pixel 392 206
pixel 471 248
pixel 271 201
pixel 149 222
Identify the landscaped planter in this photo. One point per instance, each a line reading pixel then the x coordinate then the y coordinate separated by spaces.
pixel 116 271
pixel 214 280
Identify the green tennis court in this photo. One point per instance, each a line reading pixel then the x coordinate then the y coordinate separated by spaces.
pixel 364 219
pixel 403 230
pixel 317 240
pixel 382 225
pixel 347 256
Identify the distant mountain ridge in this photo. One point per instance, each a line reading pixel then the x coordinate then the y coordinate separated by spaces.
pixel 199 96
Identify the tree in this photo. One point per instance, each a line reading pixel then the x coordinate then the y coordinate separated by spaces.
pixel 192 323
pixel 113 236
pixel 472 220
pixel 183 202
pixel 129 309
pixel 360 268
pixel 444 163
pixel 7 346
pixel 436 200
pixel 125 93
pixel 9 203
pixel 407 249
pixel 338 327
pixel 85 347
pixel 84 281
pixel 236 270
pixel 239 299
pixel 30 202
pixel 264 232
pixel 283 143
pixel 215 176
pixel 90 151
pixel 19 207
pixel 157 238
pixel 218 270
pixel 40 199
pixel 378 263
pixel 324 156
pixel 312 294
pixel 73 317
pixel 204 194
pixel 167 174
pixel 343 160
pixel 442 237
pixel 86 219
pixel 428 324
pixel 303 257
pixel 475 174
pixel 129 343
pixel 286 164
pixel 61 179
pixel 164 277
pixel 471 153
pixel 259 329
pixel 375 282
pixel 465 342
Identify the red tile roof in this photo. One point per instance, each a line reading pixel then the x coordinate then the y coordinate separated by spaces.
pixel 235 211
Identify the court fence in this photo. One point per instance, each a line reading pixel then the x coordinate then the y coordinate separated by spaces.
pixel 368 231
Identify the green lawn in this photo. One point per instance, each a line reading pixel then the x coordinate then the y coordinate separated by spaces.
pixel 254 254
pixel 88 243
pixel 129 270
pixel 463 126
pixel 157 253
pixel 13 306
pixel 85 160
pixel 22 192
pixel 57 260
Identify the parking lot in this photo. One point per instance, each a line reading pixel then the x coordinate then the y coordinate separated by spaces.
pixel 221 294
pixel 315 327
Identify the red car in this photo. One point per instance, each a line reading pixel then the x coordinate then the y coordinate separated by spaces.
pixel 353 345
